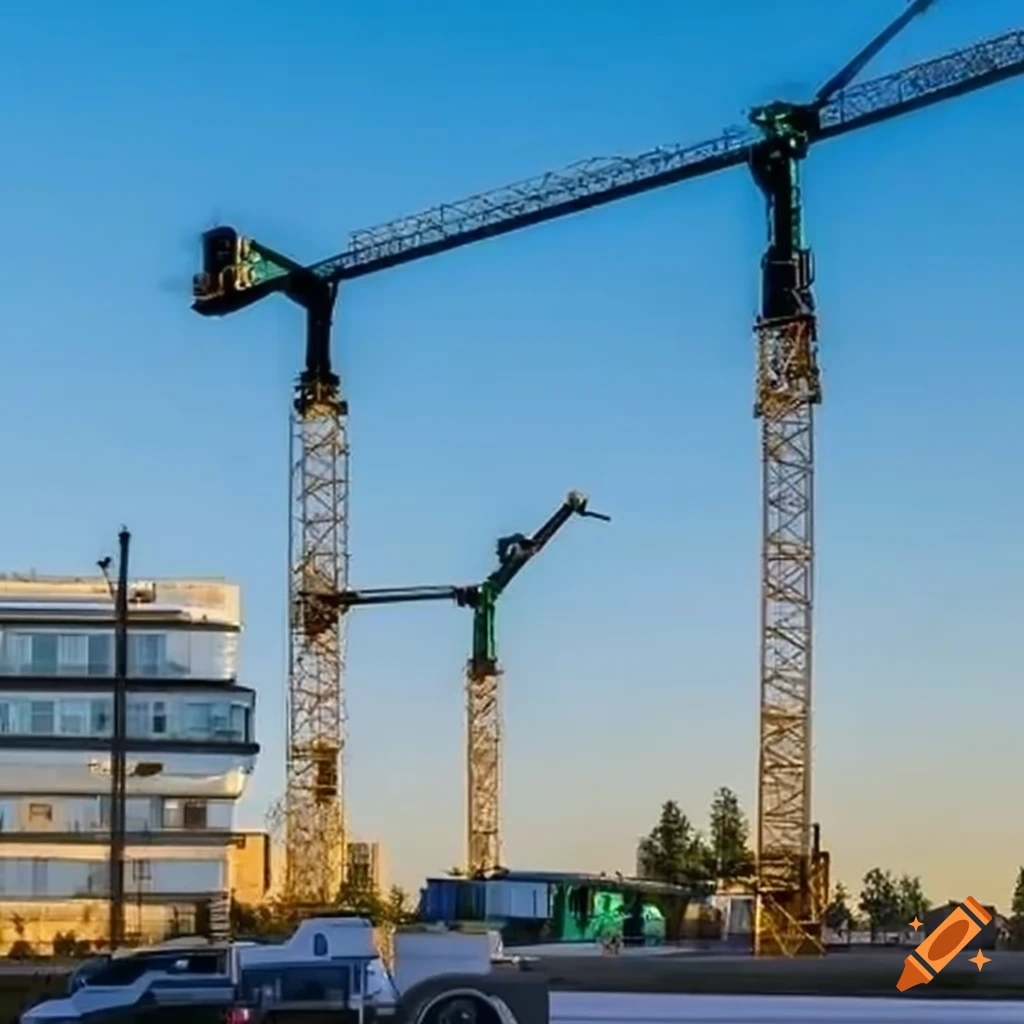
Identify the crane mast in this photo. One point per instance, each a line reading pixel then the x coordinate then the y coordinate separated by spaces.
pixel 788 386
pixel 318 543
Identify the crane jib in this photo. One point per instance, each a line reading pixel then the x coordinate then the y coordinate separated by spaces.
pixel 596 183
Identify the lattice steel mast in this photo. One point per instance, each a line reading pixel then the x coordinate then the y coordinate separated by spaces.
pixel 239 272
pixel 318 540
pixel 788 387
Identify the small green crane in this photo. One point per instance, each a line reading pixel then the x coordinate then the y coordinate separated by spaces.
pixel 483 705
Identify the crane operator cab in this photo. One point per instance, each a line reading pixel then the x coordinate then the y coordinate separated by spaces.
pixel 227 265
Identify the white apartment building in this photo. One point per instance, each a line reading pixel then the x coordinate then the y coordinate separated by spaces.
pixel 191 748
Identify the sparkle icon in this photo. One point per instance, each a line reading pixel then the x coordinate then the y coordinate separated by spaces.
pixel 980 959
pixel 961 925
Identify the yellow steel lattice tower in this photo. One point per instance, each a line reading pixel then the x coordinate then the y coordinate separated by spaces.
pixel 315 814
pixel 788 386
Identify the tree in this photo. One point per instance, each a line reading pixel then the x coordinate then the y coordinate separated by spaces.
pixel 1017 902
pixel 880 900
pixel 838 915
pixel 912 901
pixel 729 856
pixel 1016 922
pixel 673 851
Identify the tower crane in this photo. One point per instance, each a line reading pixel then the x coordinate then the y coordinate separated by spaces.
pixel 238 272
pixel 483 674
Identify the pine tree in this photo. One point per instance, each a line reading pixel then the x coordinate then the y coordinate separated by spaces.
pixel 671 851
pixel 729 855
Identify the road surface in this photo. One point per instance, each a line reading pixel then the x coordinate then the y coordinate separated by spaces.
pixel 619 1008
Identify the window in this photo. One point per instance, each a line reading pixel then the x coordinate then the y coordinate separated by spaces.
pixel 138 718
pixel 197 720
pixel 18 652
pixel 39 876
pixel 44 654
pixel 172 814
pixel 101 712
pixel 41 718
pixel 100 661
pixel 220 725
pixel 147 654
pixel 141 873
pixel 74 717
pixel 73 653
pixel 193 814
pixel 159 718
pixel 39 816
pixel 5 716
pixel 238 723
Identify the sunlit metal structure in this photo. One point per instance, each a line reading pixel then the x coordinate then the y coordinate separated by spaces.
pixel 238 272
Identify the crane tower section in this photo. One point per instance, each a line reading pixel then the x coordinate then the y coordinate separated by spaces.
pixel 483 739
pixel 788 387
pixel 318 539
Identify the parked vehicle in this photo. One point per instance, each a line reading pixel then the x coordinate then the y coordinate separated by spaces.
pixel 328 963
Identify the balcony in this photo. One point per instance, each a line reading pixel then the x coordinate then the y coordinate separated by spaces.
pixel 198 718
pixel 170 654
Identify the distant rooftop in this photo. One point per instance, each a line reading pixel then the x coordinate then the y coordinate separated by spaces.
pixel 29 596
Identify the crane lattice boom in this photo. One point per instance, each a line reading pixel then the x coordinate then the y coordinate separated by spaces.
pixel 604 179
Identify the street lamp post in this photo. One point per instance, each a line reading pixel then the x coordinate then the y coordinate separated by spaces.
pixel 118 741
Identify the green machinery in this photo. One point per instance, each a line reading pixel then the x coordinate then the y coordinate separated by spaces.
pixel 483 705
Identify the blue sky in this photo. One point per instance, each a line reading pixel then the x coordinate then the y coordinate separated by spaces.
pixel 611 351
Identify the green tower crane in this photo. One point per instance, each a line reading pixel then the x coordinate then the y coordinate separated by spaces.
pixel 483 674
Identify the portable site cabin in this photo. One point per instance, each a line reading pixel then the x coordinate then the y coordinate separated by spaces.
pixel 540 906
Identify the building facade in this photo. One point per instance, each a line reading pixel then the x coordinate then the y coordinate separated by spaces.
pixel 191 748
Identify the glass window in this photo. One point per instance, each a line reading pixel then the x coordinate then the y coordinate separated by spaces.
pixel 39 815
pixel 159 718
pixel 39 876
pixel 74 717
pixel 299 984
pixel 41 718
pixel 220 723
pixel 238 723
pixel 5 716
pixel 101 712
pixel 147 654
pixel 44 654
pixel 18 652
pixel 193 814
pixel 138 718
pixel 100 658
pixel 141 873
pixel 73 653
pixel 172 813
pixel 197 720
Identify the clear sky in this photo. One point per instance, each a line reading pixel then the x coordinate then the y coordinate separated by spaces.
pixel 611 351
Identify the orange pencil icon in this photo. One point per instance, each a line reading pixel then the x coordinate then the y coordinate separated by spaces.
pixel 962 925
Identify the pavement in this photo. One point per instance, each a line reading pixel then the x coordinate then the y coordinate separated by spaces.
pixel 840 974
pixel 588 1008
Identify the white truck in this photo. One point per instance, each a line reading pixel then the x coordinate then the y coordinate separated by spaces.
pixel 329 963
